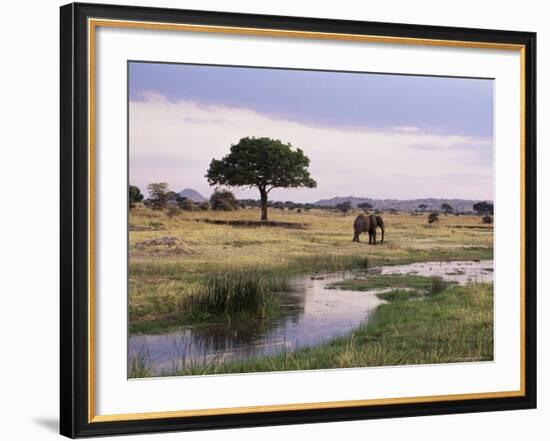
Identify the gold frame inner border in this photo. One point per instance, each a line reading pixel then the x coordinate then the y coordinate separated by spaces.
pixel 92 26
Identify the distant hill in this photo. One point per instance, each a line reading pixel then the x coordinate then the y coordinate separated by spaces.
pixel 194 195
pixel 463 205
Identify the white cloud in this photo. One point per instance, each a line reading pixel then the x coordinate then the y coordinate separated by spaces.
pixel 174 142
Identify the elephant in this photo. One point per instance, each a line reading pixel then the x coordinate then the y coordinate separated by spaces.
pixel 362 224
pixel 380 224
pixel 368 224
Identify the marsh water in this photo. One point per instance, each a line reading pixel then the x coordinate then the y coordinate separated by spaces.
pixel 311 314
pixel 461 272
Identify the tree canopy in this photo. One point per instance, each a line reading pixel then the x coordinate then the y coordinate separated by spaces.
pixel 484 207
pixel 134 195
pixel 158 195
pixel 263 163
pixel 447 208
pixel 344 207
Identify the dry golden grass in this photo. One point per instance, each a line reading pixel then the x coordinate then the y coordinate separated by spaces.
pixel 325 232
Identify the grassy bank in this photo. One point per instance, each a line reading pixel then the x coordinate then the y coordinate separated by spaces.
pixel 378 281
pixel 216 295
pixel 164 275
pixel 454 325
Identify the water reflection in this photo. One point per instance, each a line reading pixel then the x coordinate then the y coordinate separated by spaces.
pixel 311 315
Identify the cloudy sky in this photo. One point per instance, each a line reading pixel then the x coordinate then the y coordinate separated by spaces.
pixel 379 136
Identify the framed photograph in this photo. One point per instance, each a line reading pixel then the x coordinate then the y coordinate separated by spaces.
pixel 273 220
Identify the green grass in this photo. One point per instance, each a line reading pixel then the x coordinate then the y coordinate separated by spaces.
pixel 325 263
pixel 455 325
pixel 430 285
pixel 398 295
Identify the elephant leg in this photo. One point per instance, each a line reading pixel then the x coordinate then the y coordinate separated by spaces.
pixel 374 237
pixel 382 240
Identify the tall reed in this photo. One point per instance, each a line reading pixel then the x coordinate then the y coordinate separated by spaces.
pixel 437 286
pixel 139 364
pixel 253 293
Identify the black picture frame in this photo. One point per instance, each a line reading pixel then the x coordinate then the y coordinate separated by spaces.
pixel 74 273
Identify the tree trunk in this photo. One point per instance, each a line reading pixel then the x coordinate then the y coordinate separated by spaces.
pixel 263 198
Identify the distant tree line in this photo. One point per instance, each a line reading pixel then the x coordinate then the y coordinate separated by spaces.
pixel 161 198
pixel 289 205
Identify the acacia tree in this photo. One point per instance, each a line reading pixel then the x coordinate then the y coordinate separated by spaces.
pixel 447 208
pixel 158 195
pixel 262 163
pixel 484 207
pixel 344 207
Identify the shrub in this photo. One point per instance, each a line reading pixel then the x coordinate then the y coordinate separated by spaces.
pixel 437 285
pixel 433 217
pixel 223 200
pixel 173 210
pixel 487 219
pixel 186 204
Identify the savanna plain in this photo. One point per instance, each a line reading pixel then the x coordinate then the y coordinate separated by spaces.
pixel 194 270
